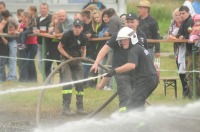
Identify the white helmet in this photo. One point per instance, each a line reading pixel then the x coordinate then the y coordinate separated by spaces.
pixel 125 33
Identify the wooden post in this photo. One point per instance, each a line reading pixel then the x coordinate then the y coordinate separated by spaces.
pixel 43 57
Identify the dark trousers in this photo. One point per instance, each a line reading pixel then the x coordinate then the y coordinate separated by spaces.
pixel 142 89
pixel 28 70
pixel 69 72
pixel 51 53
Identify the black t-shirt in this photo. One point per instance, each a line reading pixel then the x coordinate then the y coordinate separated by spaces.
pixel 141 58
pixel 150 27
pixel 87 28
pixel 4 49
pixel 183 30
pixel 142 38
pixel 72 44
pixel 120 55
pixel 45 22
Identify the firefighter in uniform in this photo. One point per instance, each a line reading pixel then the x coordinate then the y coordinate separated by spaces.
pixel 140 66
pixel 73 44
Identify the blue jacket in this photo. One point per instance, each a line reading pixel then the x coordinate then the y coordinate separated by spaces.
pixel 196 6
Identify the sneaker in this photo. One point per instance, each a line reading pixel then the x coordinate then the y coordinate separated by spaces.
pixel 81 112
pixel 107 88
pixel 21 46
pixel 67 112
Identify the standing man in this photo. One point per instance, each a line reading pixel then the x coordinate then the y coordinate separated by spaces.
pixel 73 44
pixel 43 20
pixel 140 66
pixel 149 26
pixel 90 54
pixel 183 33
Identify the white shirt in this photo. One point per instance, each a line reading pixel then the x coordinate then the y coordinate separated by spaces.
pixel 189 5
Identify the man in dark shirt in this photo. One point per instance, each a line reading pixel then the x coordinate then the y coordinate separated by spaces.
pixel 43 20
pixel 73 44
pixel 143 73
pixel 91 47
pixel 183 33
pixel 149 26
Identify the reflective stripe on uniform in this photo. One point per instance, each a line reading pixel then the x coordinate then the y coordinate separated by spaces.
pixel 122 109
pixel 79 93
pixel 67 91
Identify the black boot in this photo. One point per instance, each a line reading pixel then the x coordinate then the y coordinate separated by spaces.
pixel 66 105
pixel 79 105
pixel 186 93
pixel 66 111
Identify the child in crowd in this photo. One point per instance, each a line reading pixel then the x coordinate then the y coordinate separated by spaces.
pixel 195 30
pixel 19 14
pixel 28 29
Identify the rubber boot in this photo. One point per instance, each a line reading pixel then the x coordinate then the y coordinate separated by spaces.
pixel 66 105
pixel 79 105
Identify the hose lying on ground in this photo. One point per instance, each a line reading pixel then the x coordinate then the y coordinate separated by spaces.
pixel 38 112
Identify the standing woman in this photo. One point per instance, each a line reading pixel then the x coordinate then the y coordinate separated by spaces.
pixel 109 56
pixel 179 50
pixel 96 18
pixel 28 70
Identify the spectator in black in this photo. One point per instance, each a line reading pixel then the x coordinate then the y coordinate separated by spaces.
pixel 87 30
pixel 149 26
pixel 43 20
pixel 183 33
pixel 99 5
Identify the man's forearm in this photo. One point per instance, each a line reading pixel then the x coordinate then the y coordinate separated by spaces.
pixel 125 68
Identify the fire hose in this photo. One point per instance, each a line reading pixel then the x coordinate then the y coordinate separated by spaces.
pixel 48 79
